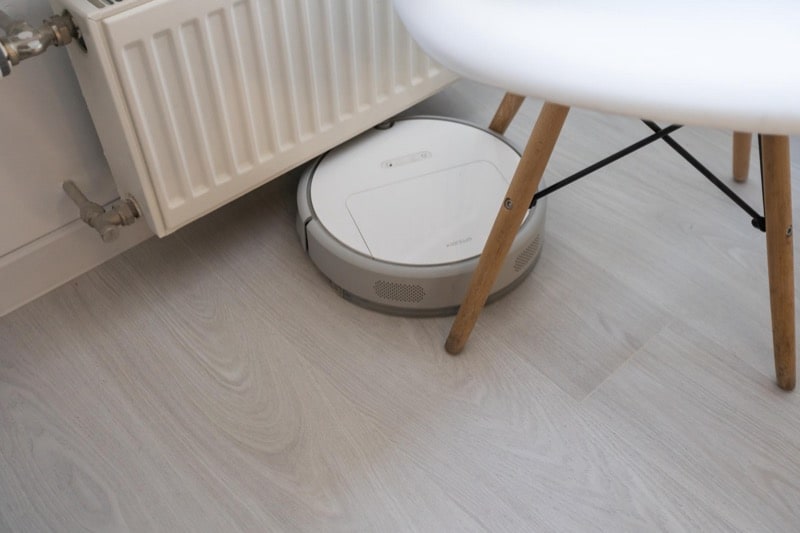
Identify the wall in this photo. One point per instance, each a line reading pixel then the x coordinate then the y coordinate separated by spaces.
pixel 46 137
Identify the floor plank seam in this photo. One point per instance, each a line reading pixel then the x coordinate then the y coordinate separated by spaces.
pixel 627 361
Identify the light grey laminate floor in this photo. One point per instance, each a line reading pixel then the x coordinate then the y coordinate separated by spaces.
pixel 212 381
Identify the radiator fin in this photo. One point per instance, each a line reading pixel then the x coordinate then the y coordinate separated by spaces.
pixel 234 92
pixel 177 112
pixel 200 95
pixel 140 61
pixel 104 3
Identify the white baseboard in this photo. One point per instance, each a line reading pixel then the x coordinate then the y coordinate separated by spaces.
pixel 58 257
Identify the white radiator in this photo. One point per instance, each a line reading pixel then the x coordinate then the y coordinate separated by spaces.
pixel 199 101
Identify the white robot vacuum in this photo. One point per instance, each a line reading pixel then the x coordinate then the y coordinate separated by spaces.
pixel 397 217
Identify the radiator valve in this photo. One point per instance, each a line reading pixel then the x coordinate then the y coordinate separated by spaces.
pixel 22 41
pixel 107 223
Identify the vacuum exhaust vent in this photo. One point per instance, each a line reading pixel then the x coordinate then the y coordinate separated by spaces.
pixel 527 254
pixel 399 292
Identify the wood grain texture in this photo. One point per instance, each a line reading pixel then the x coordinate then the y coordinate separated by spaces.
pixel 213 381
pixel 673 412
pixel 519 195
pixel 506 112
pixel 780 253
pixel 742 144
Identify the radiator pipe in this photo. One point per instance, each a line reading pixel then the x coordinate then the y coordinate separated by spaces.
pixel 107 223
pixel 22 41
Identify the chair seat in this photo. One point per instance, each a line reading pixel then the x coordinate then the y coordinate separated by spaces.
pixel 724 63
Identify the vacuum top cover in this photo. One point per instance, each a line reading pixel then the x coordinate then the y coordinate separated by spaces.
pixel 424 191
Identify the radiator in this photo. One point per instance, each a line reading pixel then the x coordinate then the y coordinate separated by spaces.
pixel 197 102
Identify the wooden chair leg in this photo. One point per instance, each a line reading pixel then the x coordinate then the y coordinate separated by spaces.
pixel 778 214
pixel 506 112
pixel 741 155
pixel 519 196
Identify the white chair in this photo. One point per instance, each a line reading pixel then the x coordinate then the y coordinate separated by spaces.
pixel 721 63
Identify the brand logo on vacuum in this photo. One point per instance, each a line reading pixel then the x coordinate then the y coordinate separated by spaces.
pixel 459 242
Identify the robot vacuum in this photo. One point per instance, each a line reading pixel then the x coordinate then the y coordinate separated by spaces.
pixel 397 217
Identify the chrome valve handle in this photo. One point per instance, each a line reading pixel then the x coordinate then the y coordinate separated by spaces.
pixel 22 41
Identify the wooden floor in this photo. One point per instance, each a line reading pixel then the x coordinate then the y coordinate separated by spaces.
pixel 213 381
